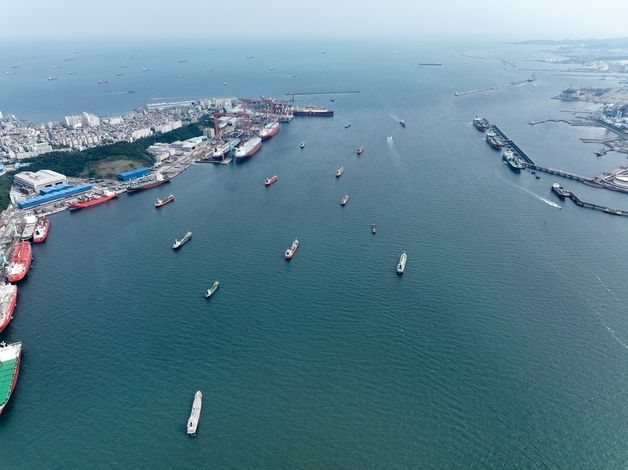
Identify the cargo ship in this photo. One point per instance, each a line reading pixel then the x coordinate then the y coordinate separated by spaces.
pixel 513 161
pixel 10 358
pixel 292 250
pixel 344 200
pixel 147 182
pixel 30 223
pixel 269 131
pixel 248 148
pixel 271 180
pixel 20 262
pixel 494 141
pixel 41 230
pixel 162 202
pixel 212 290
pixel 8 299
pixel 560 191
pixel 85 201
pixel 195 414
pixel 481 124
pixel 179 243
pixel 360 150
pixel 401 266
pixel 314 111
pixel 340 171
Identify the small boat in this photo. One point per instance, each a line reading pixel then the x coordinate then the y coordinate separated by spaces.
pixel 195 414
pixel 212 289
pixel 292 250
pixel 360 150
pixel 179 243
pixel 373 229
pixel 403 123
pixel 52 79
pixel 271 180
pixel 340 171
pixel 163 202
pixel 102 82
pixel 401 266
pixel 347 125
pixel 302 144
pixel 41 230
pixel 344 200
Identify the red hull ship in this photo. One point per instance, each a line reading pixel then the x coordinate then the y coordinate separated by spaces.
pixel 8 299
pixel 41 230
pixel 20 262
pixel 292 250
pixel 92 201
pixel 162 202
pixel 269 131
pixel 271 180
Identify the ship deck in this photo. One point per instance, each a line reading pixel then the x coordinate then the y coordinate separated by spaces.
pixel 8 368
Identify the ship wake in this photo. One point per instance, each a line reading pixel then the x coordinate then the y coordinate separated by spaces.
pixel 533 194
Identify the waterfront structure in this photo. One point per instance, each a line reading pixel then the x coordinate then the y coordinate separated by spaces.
pixel 38 180
pixel 133 174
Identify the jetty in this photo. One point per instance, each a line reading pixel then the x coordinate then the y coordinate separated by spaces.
pixel 598 207
pixel 495 87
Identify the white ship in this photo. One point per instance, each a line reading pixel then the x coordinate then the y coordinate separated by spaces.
pixel 30 222
pixel 195 415
pixel 401 267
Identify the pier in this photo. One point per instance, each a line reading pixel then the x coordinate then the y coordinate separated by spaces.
pixel 520 153
pixel 495 87
pixel 305 93
pixel 597 207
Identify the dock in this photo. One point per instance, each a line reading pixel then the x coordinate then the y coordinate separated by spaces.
pixel 598 207
pixel 495 87
pixel 305 93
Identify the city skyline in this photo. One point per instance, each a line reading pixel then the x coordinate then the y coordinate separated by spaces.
pixel 194 18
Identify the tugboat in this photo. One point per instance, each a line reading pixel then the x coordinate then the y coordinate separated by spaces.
pixel 344 200
pixel 212 289
pixel 195 415
pixel 179 243
pixel 292 250
pixel 403 123
pixel 163 202
pixel 560 191
pixel 302 146
pixel 401 266
pixel 360 150
pixel 271 180
pixel 373 229
pixel 340 171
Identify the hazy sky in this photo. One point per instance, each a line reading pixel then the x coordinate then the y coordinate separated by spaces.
pixel 320 18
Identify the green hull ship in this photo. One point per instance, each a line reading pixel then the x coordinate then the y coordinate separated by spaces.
pixel 10 356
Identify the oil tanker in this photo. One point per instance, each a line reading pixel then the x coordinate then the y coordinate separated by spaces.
pixel 314 111
pixel 248 148
pixel 269 130
pixel 20 262
pixel 92 201
pixel 148 182
pixel 8 299
pixel 10 358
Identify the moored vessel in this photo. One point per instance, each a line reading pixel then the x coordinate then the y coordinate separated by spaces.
pixel 360 150
pixel 292 250
pixel 8 299
pixel 494 141
pixel 179 243
pixel 163 202
pixel 20 262
pixel 401 266
pixel 271 180
pixel 212 289
pixel 85 201
pixel 344 200
pixel 248 148
pixel 340 171
pixel 513 161
pixel 561 192
pixel 314 111
pixel 195 414
pixel 10 358
pixel 41 230
pixel 147 182
pixel 30 223
pixel 480 123
pixel 269 130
